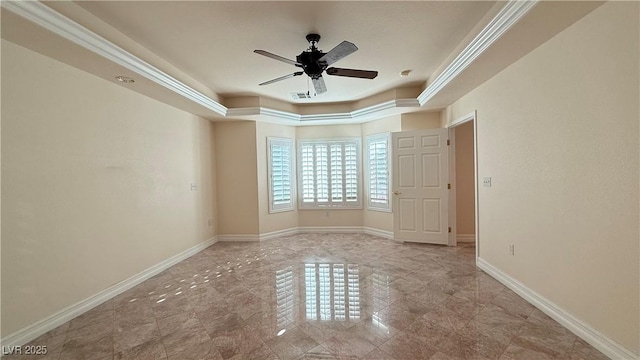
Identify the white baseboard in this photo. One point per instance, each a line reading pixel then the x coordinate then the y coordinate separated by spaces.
pixel 238 238
pixel 377 232
pixel 306 230
pixel 33 331
pixel 330 229
pixel 465 237
pixel 596 339
pixel 278 233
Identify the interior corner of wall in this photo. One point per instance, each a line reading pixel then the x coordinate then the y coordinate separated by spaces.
pixel 445 117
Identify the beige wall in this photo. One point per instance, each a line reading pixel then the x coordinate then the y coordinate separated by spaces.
pixel 378 219
pixel 386 125
pixel 95 185
pixel 329 218
pixel 328 131
pixel 280 220
pixel 421 120
pixel 558 134
pixel 465 192
pixel 237 179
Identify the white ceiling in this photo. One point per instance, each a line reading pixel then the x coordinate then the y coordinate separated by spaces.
pixel 198 56
pixel 213 42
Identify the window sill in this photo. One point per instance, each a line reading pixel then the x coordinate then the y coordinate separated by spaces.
pixel 325 208
pixel 276 211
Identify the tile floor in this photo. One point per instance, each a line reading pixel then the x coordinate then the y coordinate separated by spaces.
pixel 318 296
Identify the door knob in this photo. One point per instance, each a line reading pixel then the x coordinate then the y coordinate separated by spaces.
pixel 397 192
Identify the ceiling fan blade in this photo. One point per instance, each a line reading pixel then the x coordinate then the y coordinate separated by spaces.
pixel 362 74
pixel 319 85
pixel 298 73
pixel 274 56
pixel 342 50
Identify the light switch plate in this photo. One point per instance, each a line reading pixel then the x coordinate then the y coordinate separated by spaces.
pixel 487 181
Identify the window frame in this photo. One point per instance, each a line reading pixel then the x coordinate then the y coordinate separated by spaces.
pixel 354 205
pixel 291 205
pixel 388 207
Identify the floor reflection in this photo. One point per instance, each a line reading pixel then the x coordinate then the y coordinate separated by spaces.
pixel 381 299
pixel 332 292
pixel 285 297
pixel 328 292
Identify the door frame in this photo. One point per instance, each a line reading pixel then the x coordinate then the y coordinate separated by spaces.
pixel 452 176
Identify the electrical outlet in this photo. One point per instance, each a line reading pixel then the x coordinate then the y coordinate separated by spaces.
pixel 210 222
pixel 326 213
pixel 512 249
pixel 194 186
pixel 486 181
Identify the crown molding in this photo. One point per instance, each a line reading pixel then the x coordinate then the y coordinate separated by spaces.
pixel 357 116
pixel 283 117
pixel 63 26
pixel 508 16
pixel 387 105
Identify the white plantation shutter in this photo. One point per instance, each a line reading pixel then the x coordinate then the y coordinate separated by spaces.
pixel 307 166
pixel 378 166
pixel 322 174
pixel 336 172
pixel 351 171
pixel 329 173
pixel 280 168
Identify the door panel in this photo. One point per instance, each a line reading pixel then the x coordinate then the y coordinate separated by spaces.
pixel 430 178
pixel 430 141
pixel 420 178
pixel 431 215
pixel 407 178
pixel 406 142
pixel 408 211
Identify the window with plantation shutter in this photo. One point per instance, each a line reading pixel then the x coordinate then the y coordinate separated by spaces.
pixel 329 173
pixel 378 161
pixel 280 174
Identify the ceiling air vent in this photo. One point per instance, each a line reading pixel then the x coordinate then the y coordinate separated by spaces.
pixel 300 95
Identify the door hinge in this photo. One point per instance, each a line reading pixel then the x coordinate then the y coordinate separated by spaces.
pixel 449 228
pixel 449 186
pixel 448 142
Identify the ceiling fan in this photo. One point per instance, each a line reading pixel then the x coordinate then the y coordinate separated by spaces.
pixel 314 62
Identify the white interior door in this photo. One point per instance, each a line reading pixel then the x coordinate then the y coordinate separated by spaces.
pixel 420 186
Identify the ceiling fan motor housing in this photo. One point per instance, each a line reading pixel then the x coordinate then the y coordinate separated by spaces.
pixel 311 64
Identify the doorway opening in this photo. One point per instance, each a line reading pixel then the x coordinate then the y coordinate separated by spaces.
pixel 463 207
